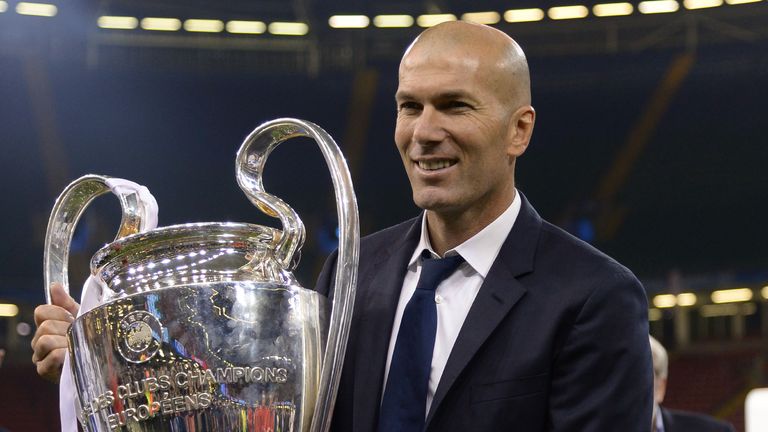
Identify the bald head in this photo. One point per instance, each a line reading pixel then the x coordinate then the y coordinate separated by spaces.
pixel 660 369
pixel 660 358
pixel 497 55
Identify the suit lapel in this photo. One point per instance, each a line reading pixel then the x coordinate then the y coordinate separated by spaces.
pixel 380 287
pixel 498 294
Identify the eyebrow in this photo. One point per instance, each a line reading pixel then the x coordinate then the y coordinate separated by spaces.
pixel 400 95
pixel 451 94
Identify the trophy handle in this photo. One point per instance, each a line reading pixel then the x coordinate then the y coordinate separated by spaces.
pixel 250 165
pixel 138 206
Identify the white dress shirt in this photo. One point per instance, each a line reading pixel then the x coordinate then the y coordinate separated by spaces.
pixel 455 294
pixel 658 420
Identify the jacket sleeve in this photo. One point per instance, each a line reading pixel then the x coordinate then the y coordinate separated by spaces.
pixel 324 283
pixel 603 375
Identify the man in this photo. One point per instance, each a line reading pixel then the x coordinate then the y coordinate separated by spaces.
pixel 667 420
pixel 536 330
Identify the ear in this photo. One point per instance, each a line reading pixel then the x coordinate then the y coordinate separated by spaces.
pixel 520 130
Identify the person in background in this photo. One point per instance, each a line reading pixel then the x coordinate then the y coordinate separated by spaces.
pixel 668 420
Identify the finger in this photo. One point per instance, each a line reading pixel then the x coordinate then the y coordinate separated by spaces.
pixel 60 297
pixel 52 312
pixel 50 328
pixel 50 367
pixel 46 344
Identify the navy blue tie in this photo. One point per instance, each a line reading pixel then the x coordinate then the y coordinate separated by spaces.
pixel 405 395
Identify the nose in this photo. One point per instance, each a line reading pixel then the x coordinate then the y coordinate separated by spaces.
pixel 428 127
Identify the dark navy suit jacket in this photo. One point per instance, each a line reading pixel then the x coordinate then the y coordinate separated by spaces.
pixel 683 421
pixel 556 339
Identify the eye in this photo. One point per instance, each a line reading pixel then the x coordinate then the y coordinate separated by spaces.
pixel 457 105
pixel 408 106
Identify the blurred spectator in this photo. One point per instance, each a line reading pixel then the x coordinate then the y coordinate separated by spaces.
pixel 667 420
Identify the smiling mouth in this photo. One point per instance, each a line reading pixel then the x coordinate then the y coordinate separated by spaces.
pixel 434 165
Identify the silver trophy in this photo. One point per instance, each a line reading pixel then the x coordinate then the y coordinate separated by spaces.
pixel 202 326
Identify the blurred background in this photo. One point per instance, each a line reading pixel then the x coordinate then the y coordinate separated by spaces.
pixel 650 143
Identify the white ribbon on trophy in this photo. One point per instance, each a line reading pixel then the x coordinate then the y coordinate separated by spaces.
pixel 93 296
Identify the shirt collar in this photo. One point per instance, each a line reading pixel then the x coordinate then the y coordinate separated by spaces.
pixel 659 420
pixel 480 250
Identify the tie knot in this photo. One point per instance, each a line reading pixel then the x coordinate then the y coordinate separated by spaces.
pixel 435 270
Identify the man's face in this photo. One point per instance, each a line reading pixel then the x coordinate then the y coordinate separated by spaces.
pixel 659 388
pixel 453 132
